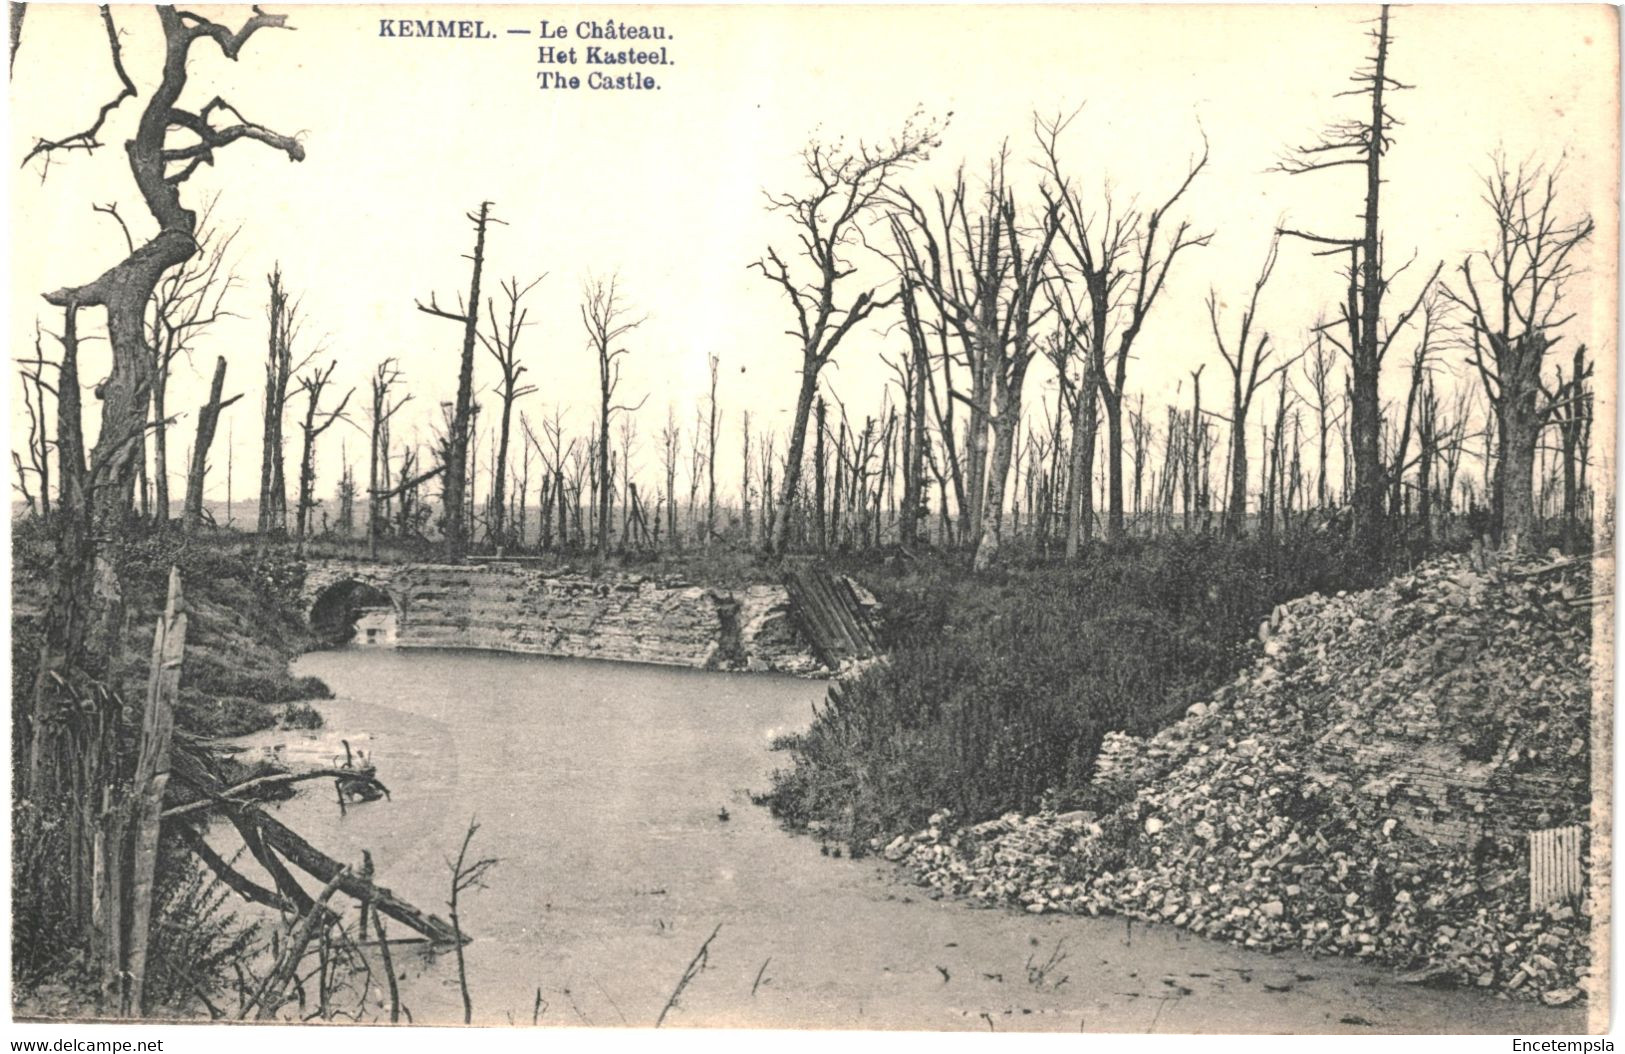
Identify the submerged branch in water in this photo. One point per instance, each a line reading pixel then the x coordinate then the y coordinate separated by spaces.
pixel 695 967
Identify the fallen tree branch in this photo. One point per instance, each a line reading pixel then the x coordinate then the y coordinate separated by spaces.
pixel 235 795
pixel 317 863
pixel 269 998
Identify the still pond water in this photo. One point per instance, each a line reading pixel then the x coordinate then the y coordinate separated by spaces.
pixel 600 787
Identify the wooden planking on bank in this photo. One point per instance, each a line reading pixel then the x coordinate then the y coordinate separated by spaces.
pixel 829 614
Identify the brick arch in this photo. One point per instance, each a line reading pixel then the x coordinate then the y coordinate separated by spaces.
pixel 322 577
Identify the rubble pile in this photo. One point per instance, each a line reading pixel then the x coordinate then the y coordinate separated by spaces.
pixel 1366 788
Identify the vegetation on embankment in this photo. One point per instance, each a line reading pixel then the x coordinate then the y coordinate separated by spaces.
pixel 1001 686
pixel 245 622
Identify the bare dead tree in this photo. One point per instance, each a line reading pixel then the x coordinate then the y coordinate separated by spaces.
pixel 1081 396
pixel 35 389
pixel 1245 364
pixel 629 508
pixel 316 421
pixel 503 344
pixel 1362 142
pixel 466 875
pixel 745 488
pixel 671 441
pixel 913 374
pixel 282 312
pixel 187 301
pixel 554 457
pixel 383 407
pixel 1515 312
pixel 713 422
pixel 1573 417
pixel 1318 365
pixel 1421 368
pixel 208 420
pixel 982 263
pixel 607 320
pixel 454 515
pixel 846 186
pixel 1124 261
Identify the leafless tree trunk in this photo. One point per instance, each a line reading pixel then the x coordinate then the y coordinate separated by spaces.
pixel 187 301
pixel 607 321
pixel 1318 366
pixel 283 314
pixel 71 752
pixel 1129 248
pixel 711 456
pixel 1245 365
pixel 454 515
pixel 1363 142
pixel 503 345
pixel 315 423
pixel 982 269
pixel 1572 415
pixel 384 379
pixel 671 443
pixel 35 389
pixel 208 420
pixel 1514 320
pixel 847 186
pixel 820 470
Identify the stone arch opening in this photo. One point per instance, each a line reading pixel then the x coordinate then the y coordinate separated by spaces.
pixel 352 611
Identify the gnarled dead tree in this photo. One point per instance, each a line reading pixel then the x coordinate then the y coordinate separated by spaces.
pixel 70 768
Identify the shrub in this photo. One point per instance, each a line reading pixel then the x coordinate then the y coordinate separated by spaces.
pixel 197 940
pixel 300 715
pixel 1001 686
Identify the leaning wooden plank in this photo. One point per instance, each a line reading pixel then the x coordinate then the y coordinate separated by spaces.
pixel 152 776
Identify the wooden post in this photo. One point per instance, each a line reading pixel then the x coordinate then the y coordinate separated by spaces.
pixel 151 776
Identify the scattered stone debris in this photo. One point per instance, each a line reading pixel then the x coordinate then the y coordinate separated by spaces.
pixel 1365 789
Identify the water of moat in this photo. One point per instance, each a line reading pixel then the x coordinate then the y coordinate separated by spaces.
pixel 600 786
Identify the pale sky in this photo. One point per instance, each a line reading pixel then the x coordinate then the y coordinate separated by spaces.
pixel 405 136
